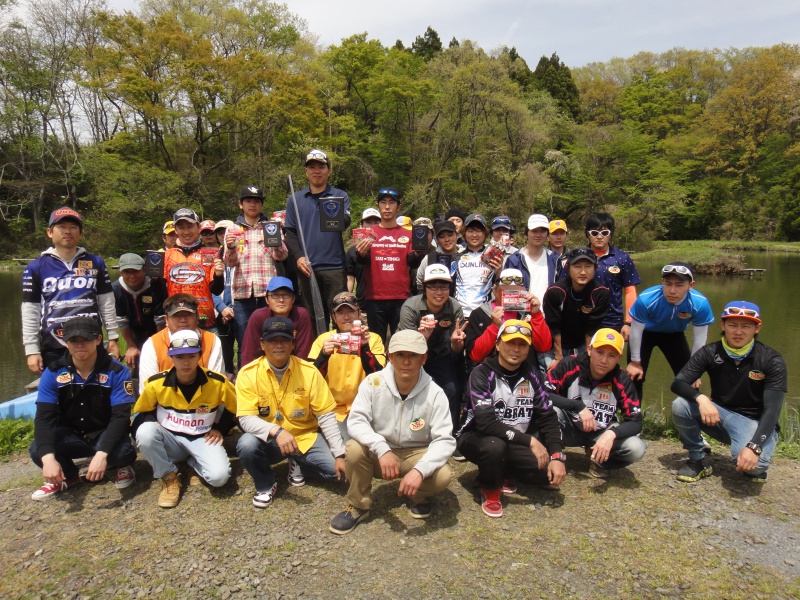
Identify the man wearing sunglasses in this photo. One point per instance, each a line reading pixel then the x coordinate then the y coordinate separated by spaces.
pixel 615 270
pixel 182 415
pixel 661 315
pixel 748 385
pixel 508 411
pixel 588 392
pixel 387 258
pixel 344 371
pixel 574 307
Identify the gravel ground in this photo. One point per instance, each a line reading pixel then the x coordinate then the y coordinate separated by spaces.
pixel 641 534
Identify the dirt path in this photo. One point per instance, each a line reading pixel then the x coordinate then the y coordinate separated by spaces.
pixel 639 535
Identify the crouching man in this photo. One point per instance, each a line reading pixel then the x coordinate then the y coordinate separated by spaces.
pixel 748 385
pixel 588 392
pixel 182 415
pixel 83 410
pixel 400 427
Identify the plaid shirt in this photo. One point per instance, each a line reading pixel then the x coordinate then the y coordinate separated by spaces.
pixel 255 266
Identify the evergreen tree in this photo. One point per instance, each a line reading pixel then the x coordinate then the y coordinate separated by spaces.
pixel 554 77
pixel 428 45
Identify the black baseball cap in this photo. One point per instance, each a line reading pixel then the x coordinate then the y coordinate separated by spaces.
pixel 277 327
pixel 83 327
pixel 251 191
pixel 441 226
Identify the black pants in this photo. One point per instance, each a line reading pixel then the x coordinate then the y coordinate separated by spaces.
pixel 330 283
pixel 383 315
pixel 447 372
pixel 497 459
pixel 673 346
pixel 70 444
pixel 226 332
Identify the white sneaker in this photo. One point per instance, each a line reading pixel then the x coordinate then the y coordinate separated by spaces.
pixel 264 499
pixel 296 477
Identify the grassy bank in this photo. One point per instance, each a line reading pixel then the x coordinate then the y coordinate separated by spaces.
pixel 701 250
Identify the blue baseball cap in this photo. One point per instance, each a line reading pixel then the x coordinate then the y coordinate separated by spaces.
pixel 277 283
pixel 741 309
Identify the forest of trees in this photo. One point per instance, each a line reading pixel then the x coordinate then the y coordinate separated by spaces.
pixel 127 117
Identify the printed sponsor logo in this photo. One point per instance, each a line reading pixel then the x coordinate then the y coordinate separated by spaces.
pixel 718 359
pixel 684 315
pixel 510 435
pixel 64 378
pixel 50 284
pixel 387 267
pixel 586 309
pixel 128 387
pixel 417 424
pixel 102 378
pixel 263 411
pixel 272 228
pixel 445 323
pixel 187 273
pixel 402 240
pixel 298 413
pixel 85 264
pixel 613 269
pixel 203 409
pixel 386 238
pixel 756 375
pixel 147 299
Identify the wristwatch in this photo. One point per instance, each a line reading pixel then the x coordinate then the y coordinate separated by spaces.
pixel 755 448
pixel 559 456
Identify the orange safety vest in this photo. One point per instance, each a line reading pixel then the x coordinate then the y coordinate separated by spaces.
pixel 161 345
pixel 192 275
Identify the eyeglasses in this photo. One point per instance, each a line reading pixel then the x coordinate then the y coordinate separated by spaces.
pixel 599 232
pixel 280 295
pixel 678 269
pixel 184 343
pixel 511 280
pixel 526 331
pixel 438 288
pixel 735 311
pixel 344 300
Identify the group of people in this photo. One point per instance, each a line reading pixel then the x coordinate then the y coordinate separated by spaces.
pixel 426 340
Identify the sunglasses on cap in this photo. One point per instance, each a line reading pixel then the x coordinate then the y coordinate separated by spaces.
pixel 337 302
pixel 737 311
pixel 184 343
pixel 388 192
pixel 526 331
pixel 678 270
pixel 599 232
pixel 511 280
pixel 501 223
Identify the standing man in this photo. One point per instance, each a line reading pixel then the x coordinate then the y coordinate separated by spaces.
pixel 168 236
pixel 400 427
pixel 326 257
pixel 444 253
pixel 253 264
pixel 456 217
pixel 588 392
pixel 537 263
pixel 509 410
pixel 501 226
pixel 558 244
pixel 208 235
pixel 387 258
pixel 661 315
pixel 139 306
pixel 83 410
pixel 748 385
pixel 355 270
pixel 615 270
pixel 64 282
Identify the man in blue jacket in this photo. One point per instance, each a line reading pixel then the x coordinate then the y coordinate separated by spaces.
pixel 537 263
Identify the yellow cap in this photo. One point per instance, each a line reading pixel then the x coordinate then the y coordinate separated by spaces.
pixel 608 337
pixel 169 227
pixel 514 329
pixel 557 224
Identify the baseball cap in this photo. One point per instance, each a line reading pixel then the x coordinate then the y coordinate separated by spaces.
pixel 344 299
pixel 317 155
pixel 608 337
pixel 473 218
pixel 131 261
pixel 437 272
pixel 408 340
pixel 277 283
pixel 537 221
pixel 557 224
pixel 185 341
pixel 741 309
pixel 423 221
pixel 169 227
pixel 441 226
pixel 181 307
pixel 224 224
pixel 277 327
pixel 83 327
pixel 65 213
pixel 503 221
pixel 681 270
pixel 208 225
pixel 404 221
pixel 581 253
pixel 370 213
pixel 251 191
pixel 185 214
pixel 514 329
pixel 389 191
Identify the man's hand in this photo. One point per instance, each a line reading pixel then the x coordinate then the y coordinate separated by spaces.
pixel 287 443
pixel 635 370
pixel 458 336
pixel 113 348
pixel 51 469
pixel 226 314
pixel 625 331
pixel 747 460
pixel 389 467
pixel 364 335
pixel 362 247
pixel 338 466
pixel 496 264
pixel 587 422
pixel 602 447
pixel 410 484
pixel 497 316
pixel 304 266
pixel 556 472
pixel 219 267
pixel 709 414
pixel 696 385
pixel 330 346
pixel 213 437
pixel 35 363
pixel 540 452
pixel 131 354
pixel 97 467
pixel 230 239
pixel 533 302
pixel 426 328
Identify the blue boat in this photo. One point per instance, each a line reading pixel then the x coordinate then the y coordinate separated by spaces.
pixel 19 408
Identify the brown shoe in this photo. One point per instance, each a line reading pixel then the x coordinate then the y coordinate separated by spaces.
pixel 171 492
pixel 194 478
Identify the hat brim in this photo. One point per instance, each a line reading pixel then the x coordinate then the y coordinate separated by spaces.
pixel 182 309
pixel 413 348
pixel 753 319
pixel 507 337
pixel 189 219
pixel 81 333
pixel 338 306
pixel 272 335
pixel 183 350
pixel 607 344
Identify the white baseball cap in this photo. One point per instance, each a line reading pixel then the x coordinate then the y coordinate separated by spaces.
pixel 436 272
pixel 537 221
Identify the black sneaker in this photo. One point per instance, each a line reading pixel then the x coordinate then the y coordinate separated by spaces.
pixel 421 510
pixel 757 477
pixel 458 456
pixel 346 521
pixel 694 470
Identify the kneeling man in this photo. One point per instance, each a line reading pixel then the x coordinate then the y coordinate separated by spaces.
pixel 400 427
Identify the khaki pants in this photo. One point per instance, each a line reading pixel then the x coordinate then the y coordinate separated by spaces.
pixel 362 465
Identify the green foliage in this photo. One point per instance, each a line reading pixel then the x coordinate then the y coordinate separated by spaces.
pixel 427 45
pixel 15 435
pixel 555 77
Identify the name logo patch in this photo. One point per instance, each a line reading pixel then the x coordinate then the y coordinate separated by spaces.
pixel 756 375
pixel 684 315
pixel 64 378
pixel 613 269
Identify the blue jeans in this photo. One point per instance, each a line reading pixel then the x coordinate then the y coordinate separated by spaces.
pixel 70 444
pixel 163 449
pixel 242 310
pixel 733 429
pixel 257 456
pixel 623 452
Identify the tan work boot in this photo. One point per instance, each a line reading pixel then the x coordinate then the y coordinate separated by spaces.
pixel 171 492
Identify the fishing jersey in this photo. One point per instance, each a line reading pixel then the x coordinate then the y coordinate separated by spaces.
pixel 390 256
pixel 190 270
pixel 212 404
pixel 616 271
pixel 473 279
pixel 54 291
pixel 658 315
pixel 571 380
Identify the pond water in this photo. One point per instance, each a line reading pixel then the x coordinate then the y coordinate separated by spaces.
pixel 775 293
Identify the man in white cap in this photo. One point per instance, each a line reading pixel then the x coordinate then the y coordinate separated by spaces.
pixel 182 415
pixel 537 263
pixel 400 427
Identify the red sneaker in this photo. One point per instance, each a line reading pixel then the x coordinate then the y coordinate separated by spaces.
pixel 125 477
pixel 48 490
pixel 509 486
pixel 490 503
